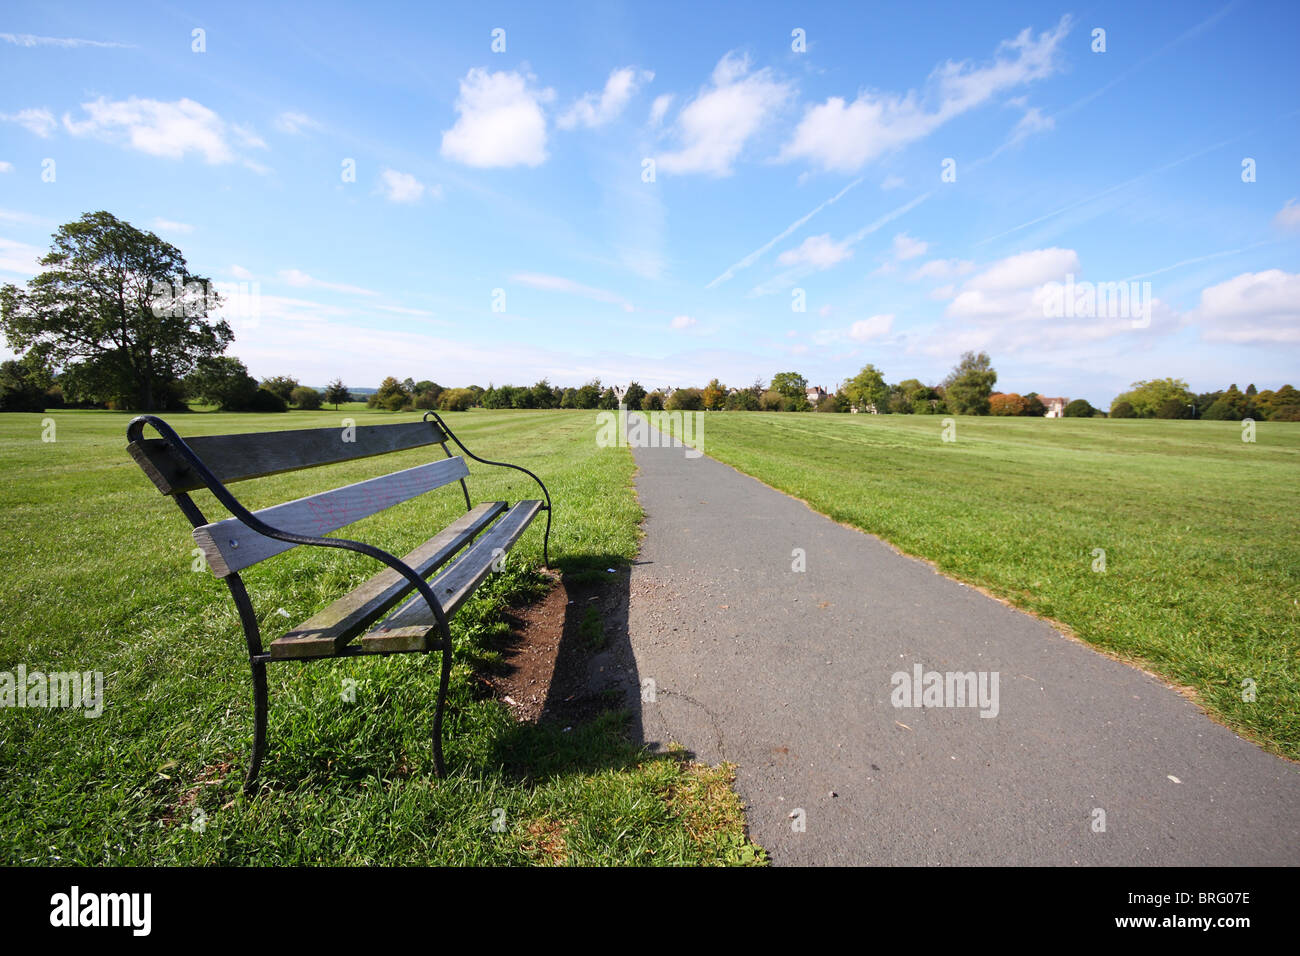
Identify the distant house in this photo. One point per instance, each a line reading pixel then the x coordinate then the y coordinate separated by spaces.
pixel 1055 407
pixel 815 394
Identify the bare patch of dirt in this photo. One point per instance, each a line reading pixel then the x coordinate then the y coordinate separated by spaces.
pixel 560 661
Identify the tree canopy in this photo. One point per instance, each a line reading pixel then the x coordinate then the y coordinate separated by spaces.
pixel 117 312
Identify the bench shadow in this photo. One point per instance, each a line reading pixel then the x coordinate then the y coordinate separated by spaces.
pixel 591 717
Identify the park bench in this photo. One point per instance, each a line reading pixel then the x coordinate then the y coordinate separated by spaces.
pixel 358 623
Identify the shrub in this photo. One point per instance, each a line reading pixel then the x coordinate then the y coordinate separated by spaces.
pixel 306 398
pixel 1122 410
pixel 685 400
pixel 1079 408
pixel 265 400
pixel 456 400
pixel 1006 403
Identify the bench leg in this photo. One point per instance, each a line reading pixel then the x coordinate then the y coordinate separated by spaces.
pixel 444 679
pixel 259 725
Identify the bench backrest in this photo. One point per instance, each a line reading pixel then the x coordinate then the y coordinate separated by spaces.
pixel 230 545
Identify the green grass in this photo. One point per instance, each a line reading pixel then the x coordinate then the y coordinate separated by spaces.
pixel 1200 530
pixel 98 577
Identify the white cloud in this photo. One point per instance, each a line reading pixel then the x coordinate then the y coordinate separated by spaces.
pixel 597 109
pixel 874 327
pixel 501 122
pixel 892 182
pixel 38 121
pixel 659 108
pixel 1288 217
pixel 1254 307
pixel 295 277
pixel 1008 307
pixel 1026 269
pixel 170 130
pixel 944 269
pixel 1032 122
pixel 403 187
pixel 841 136
pixel 239 272
pixel 19 257
pixel 683 322
pixel 714 127
pixel 905 247
pixel 293 123
pixel 170 225
pixel 549 283
pixel 818 252
pixel 6 167
pixel 30 40
pixel 403 310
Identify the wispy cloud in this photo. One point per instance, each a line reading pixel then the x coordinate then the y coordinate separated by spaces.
pixel 31 40
pixel 549 283
pixel 597 109
pixel 841 136
pixel 171 225
pixel 169 130
pixel 294 123
pixel 295 277
pixel 36 120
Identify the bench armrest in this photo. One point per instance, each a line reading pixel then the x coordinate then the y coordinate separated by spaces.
pixel 546 540
pixel 222 494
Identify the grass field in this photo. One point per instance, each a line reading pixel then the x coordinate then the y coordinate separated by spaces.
pixel 97 576
pixel 1200 530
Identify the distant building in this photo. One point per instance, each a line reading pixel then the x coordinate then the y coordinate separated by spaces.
pixel 815 394
pixel 1055 407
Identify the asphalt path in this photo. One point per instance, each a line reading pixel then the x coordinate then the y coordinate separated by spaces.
pixel 790 675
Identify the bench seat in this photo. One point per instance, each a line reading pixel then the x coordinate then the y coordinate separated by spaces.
pixel 409 627
pixel 327 633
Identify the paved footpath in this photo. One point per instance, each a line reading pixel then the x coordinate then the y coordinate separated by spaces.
pixel 788 675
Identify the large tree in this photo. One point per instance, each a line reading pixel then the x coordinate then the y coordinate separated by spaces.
pixel 117 311
pixel 969 385
pixel 868 388
pixel 1147 398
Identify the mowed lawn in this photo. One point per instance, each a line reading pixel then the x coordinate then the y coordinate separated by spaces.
pixel 1201 531
pixel 98 577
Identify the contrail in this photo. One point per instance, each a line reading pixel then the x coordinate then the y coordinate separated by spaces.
pixel 749 259
pixel 1213 18
pixel 1111 189
pixel 781 281
pixel 1212 255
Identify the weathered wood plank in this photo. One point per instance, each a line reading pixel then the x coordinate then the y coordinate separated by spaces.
pixel 231 546
pixel 401 640
pixel 257 454
pixel 454 586
pixel 325 634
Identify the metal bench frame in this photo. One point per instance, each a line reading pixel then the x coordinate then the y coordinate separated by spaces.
pixel 258 657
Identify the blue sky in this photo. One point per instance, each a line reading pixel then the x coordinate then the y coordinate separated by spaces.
pixel 519 179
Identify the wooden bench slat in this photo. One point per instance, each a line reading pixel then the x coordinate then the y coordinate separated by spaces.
pixel 257 454
pixel 325 634
pixel 454 586
pixel 230 545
